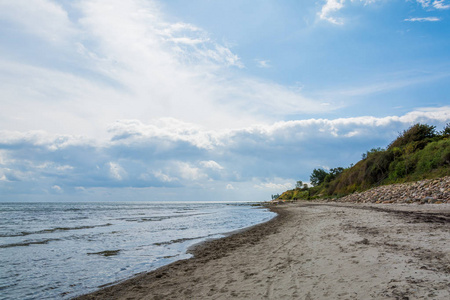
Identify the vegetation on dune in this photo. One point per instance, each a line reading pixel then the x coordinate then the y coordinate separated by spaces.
pixel 420 152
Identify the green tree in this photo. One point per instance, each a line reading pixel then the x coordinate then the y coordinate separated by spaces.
pixel 334 173
pixel 318 176
pixel 415 133
pixel 446 131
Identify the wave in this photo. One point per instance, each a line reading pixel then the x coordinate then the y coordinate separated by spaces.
pixel 56 229
pixel 183 240
pixel 160 218
pixel 105 253
pixel 28 243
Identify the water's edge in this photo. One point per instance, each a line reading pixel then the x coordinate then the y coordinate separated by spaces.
pixel 197 251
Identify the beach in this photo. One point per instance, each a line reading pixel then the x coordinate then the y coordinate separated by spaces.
pixel 313 251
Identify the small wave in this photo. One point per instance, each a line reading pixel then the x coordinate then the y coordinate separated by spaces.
pixel 182 240
pixel 160 218
pixel 105 253
pixel 73 209
pixel 57 229
pixel 28 243
pixel 168 256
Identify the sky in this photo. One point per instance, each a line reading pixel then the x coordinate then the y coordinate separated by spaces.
pixel 201 100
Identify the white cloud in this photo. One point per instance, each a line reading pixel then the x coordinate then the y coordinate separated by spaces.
pixel 426 19
pixel 189 172
pixel 43 18
pixel 263 63
pixel 168 129
pixel 230 187
pixel 330 7
pixel 265 156
pixel 210 164
pixel 424 3
pixel 116 171
pixel 275 186
pixel 164 177
pixel 437 4
pixel 2 176
pixel 57 188
pixel 125 61
pixel 440 4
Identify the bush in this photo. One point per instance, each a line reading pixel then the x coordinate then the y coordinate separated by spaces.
pixel 299 194
pixel 417 132
pixel 434 155
pixel 377 167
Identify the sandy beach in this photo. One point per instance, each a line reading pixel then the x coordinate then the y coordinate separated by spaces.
pixel 313 251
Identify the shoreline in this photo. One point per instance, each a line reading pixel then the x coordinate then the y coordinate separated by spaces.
pixel 202 252
pixel 312 250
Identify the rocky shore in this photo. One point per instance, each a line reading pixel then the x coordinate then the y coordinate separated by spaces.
pixel 425 191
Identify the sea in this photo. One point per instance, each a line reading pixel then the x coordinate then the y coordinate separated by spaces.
pixel 63 250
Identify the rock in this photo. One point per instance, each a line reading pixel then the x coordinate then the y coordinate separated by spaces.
pixel 421 192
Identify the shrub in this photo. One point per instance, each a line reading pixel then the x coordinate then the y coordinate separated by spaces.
pixel 434 155
pixel 415 133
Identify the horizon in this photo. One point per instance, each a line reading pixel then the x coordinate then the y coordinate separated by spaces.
pixel 146 100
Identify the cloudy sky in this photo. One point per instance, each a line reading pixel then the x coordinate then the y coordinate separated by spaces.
pixel 208 100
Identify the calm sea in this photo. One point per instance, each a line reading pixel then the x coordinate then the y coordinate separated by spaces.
pixel 61 250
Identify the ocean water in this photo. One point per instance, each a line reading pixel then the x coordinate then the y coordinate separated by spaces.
pixel 61 250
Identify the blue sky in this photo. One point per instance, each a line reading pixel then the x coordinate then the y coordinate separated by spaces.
pixel 208 100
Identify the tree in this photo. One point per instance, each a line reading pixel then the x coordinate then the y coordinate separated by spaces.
pixel 334 172
pixel 301 186
pixel 371 152
pixel 415 133
pixel 446 131
pixel 318 176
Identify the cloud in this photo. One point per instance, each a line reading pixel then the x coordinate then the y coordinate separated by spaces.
pixel 42 18
pixel 333 6
pixel 426 19
pixel 57 188
pixel 189 172
pixel 124 60
pixel 116 171
pixel 440 4
pixel 230 187
pixel 263 63
pixel 330 7
pixel 164 177
pixel 211 165
pixel 275 186
pixel 170 155
pixel 437 4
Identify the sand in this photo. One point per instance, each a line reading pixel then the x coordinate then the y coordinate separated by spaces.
pixel 313 251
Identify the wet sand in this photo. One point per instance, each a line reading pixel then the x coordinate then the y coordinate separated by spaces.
pixel 313 251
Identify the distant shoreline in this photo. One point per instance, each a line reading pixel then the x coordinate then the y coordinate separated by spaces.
pixel 312 251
